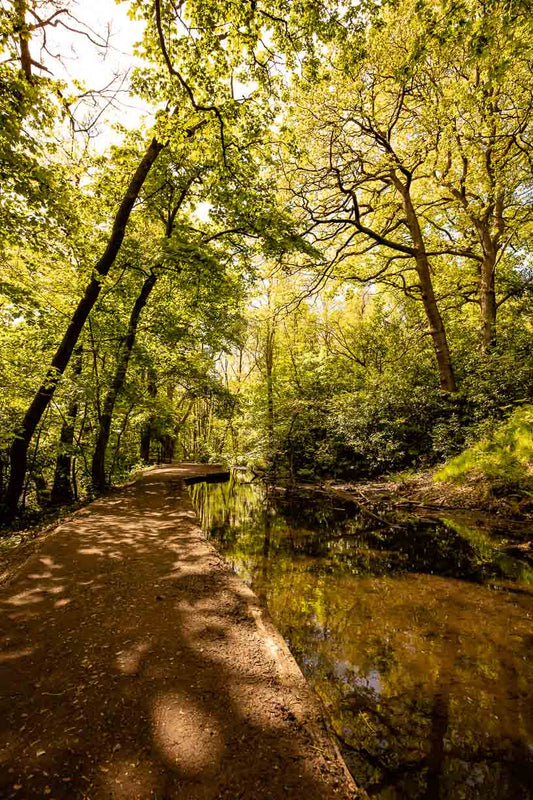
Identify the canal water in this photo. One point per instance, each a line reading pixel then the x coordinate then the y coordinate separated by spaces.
pixel 416 633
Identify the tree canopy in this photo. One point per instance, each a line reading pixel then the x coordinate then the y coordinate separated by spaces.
pixel 314 259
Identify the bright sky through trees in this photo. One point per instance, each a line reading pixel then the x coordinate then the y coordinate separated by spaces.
pixel 101 58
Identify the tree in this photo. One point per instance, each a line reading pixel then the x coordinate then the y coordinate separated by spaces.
pixel 478 111
pixel 63 487
pixel 369 164
pixel 98 462
pixel 200 73
pixel 19 449
pixel 362 184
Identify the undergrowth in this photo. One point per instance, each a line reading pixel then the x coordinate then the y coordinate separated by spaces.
pixel 504 458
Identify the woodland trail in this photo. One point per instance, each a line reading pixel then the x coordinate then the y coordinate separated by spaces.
pixel 134 664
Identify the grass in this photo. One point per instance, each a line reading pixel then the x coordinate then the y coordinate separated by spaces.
pixel 505 459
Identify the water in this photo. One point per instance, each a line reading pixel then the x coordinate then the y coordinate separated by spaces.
pixel 415 633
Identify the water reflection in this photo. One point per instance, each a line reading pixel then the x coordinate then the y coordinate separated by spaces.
pixel 415 634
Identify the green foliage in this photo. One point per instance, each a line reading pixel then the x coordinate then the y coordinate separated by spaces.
pixel 504 457
pixel 338 207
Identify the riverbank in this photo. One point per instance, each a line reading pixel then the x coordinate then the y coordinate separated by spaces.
pixel 419 490
pixel 475 494
pixel 136 665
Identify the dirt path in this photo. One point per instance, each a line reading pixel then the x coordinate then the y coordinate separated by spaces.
pixel 135 664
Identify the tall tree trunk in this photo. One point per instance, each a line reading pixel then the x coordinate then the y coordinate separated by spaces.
pixel 19 448
pixel 436 325
pixel 147 428
pixel 24 39
pixel 98 475
pixel 146 441
pixel 269 369
pixel 62 490
pixel 168 444
pixel 490 228
pixel 487 302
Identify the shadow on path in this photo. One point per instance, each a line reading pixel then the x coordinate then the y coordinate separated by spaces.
pixel 134 664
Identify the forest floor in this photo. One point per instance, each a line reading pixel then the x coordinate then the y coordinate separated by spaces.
pixel 134 664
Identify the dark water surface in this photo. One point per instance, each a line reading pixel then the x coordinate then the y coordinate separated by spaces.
pixel 416 634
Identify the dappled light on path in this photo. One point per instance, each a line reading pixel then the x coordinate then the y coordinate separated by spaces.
pixel 132 666
pixel 185 734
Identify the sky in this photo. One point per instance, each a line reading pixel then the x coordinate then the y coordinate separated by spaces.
pixel 81 60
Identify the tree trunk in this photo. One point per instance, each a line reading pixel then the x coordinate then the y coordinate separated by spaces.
pixel 436 325
pixel 98 475
pixel 269 370
pixel 41 401
pixel 147 428
pixel 487 302
pixel 62 490
pixel 146 441
pixel 24 39
pixel 168 444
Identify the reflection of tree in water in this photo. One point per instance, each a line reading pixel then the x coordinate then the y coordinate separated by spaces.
pixel 419 772
pixel 419 685
pixel 426 679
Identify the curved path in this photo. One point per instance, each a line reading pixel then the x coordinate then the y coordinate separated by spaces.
pixel 134 664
